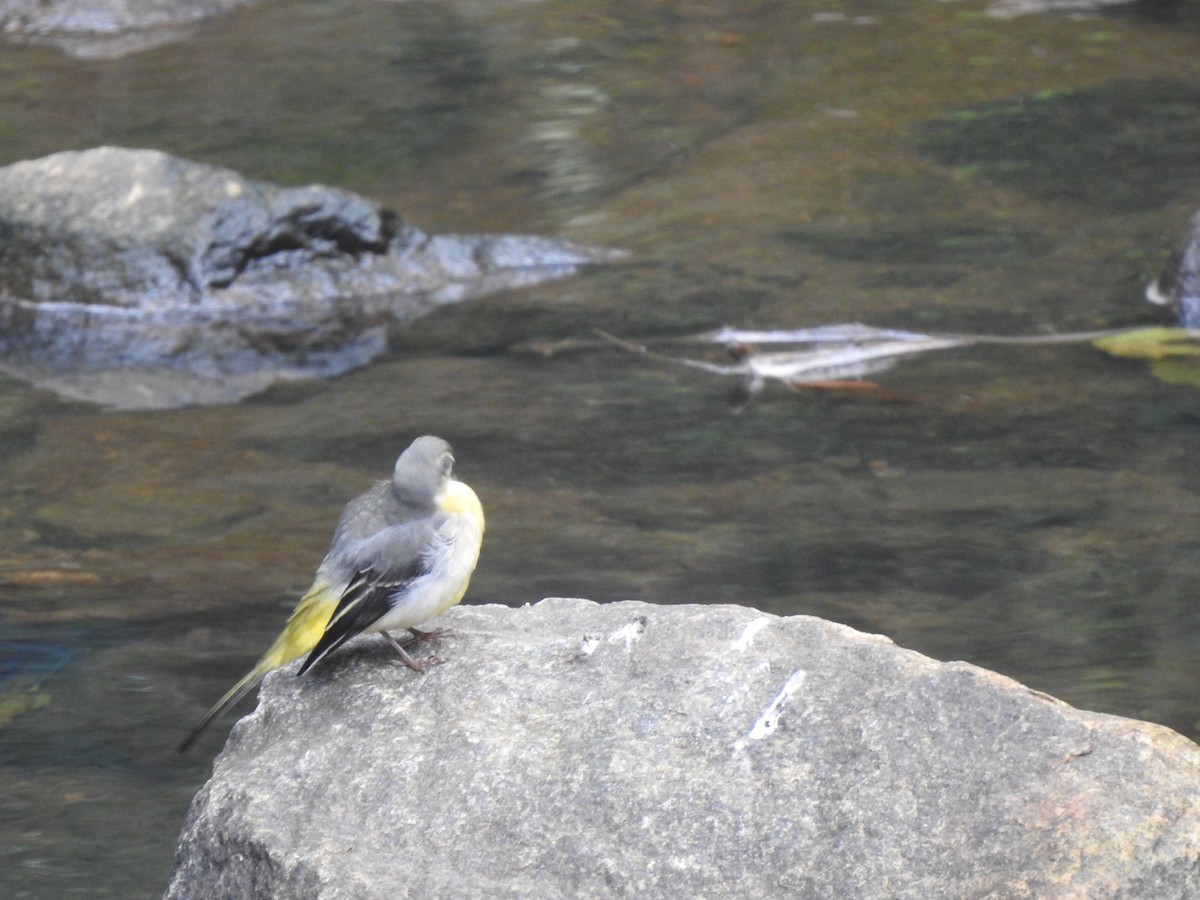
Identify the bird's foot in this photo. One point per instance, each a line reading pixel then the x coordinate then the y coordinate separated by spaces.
pixel 418 635
pixel 418 665
pixel 421 665
pixel 406 660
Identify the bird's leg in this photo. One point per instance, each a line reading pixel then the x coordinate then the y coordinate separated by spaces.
pixel 408 660
pixel 418 635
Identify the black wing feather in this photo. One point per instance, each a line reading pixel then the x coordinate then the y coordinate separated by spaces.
pixel 365 601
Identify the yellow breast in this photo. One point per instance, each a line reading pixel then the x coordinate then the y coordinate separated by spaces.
pixel 459 500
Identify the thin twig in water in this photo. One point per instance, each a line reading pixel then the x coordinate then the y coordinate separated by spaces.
pixel 834 352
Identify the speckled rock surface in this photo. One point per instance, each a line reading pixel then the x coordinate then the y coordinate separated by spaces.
pixel 570 749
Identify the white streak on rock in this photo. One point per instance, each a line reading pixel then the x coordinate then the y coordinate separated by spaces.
pixel 744 643
pixel 630 633
pixel 769 720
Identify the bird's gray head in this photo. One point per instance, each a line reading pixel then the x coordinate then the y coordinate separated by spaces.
pixel 423 469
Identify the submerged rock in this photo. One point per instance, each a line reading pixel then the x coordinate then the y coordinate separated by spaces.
pixel 572 749
pixel 136 279
pixel 1179 284
pixel 105 29
pixel 1007 9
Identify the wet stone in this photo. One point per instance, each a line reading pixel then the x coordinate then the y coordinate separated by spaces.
pixel 139 280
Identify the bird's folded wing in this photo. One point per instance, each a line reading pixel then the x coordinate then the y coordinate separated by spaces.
pixel 388 563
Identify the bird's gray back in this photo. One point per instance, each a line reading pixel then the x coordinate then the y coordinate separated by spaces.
pixel 379 529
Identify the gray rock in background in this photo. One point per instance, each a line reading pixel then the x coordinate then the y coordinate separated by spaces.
pixel 1007 9
pixel 105 29
pixel 140 280
pixel 571 749
pixel 1179 284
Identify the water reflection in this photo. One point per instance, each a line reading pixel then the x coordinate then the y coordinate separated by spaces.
pixel 1028 509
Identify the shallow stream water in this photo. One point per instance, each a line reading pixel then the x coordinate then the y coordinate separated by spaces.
pixel 908 164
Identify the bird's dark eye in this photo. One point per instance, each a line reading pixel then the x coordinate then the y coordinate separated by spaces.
pixel 447 464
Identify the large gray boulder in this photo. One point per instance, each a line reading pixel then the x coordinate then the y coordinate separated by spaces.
pixel 570 749
pixel 140 280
